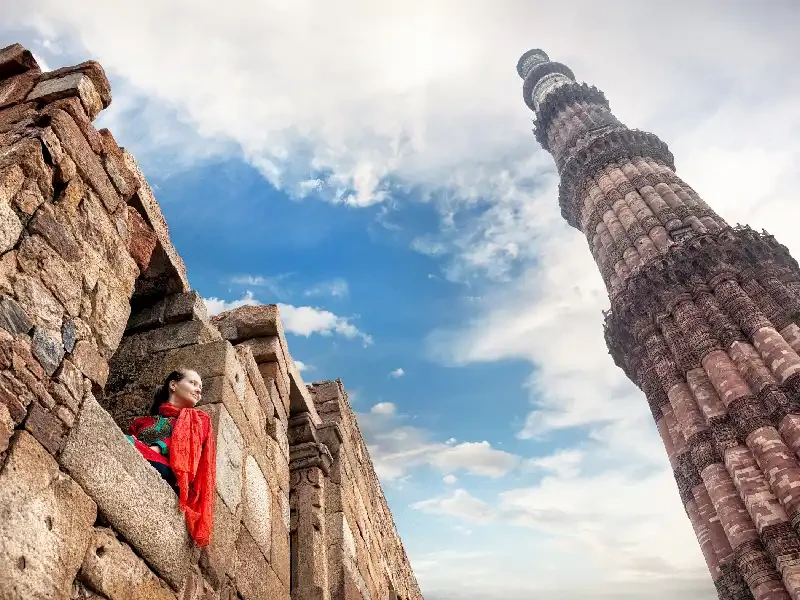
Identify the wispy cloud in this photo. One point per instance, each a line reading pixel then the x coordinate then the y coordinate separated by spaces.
pixel 336 288
pixel 216 306
pixel 274 285
pixel 307 320
pixel 397 373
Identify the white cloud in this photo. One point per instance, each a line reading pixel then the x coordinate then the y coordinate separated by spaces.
pixel 397 373
pixel 273 285
pixel 396 448
pixel 336 288
pixel 303 367
pixel 216 306
pixel 450 479
pixel 383 408
pixel 307 320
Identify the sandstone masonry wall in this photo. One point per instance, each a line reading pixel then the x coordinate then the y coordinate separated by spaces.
pixel 95 310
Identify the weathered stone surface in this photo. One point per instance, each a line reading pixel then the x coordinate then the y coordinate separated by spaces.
pixel 110 310
pixel 11 181
pixel 69 334
pixel 257 511
pixel 27 153
pixel 87 162
pixel 8 272
pixel 114 160
pixel 218 559
pixel 16 59
pixel 36 257
pixel 279 552
pixel 99 457
pixel 70 84
pixel 143 240
pixel 10 227
pixel 13 318
pixel 273 375
pixel 37 301
pixel 6 428
pixel 248 322
pixel 172 265
pixel 230 456
pixel 255 579
pixel 45 524
pixel 188 339
pixel 48 430
pixel 14 89
pixel 10 116
pixel 112 568
pixel 54 229
pixel 94 71
pixel 90 362
pixel 47 349
pixel 177 308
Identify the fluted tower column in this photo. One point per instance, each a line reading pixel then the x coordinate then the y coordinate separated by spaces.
pixel 704 319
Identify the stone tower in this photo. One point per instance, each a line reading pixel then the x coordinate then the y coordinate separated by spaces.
pixel 704 320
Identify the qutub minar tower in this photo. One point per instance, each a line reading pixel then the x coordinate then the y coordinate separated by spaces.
pixel 704 319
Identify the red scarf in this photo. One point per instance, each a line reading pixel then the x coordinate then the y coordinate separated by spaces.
pixel 192 456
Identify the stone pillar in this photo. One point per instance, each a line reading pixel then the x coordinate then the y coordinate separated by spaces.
pixel 309 464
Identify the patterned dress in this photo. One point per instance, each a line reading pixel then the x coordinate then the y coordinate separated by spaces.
pixel 154 431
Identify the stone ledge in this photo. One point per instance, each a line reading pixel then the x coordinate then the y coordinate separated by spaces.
pixel 132 496
pixel 45 524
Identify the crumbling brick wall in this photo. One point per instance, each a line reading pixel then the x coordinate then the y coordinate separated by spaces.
pixel 95 309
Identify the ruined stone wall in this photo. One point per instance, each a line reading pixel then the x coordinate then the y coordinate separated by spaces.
pixel 367 553
pixel 95 310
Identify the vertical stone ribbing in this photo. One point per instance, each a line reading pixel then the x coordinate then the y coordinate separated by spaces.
pixel 705 319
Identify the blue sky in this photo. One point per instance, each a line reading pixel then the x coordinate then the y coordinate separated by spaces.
pixel 370 167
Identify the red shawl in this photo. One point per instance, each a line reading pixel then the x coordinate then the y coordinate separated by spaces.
pixel 192 456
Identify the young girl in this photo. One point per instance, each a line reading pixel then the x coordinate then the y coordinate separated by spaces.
pixel 177 440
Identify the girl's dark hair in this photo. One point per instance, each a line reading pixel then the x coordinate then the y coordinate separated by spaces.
pixel 162 394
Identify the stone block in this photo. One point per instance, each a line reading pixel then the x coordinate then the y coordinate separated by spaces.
pixel 246 322
pixel 48 349
pixel 90 362
pixel 131 494
pixel 279 557
pixel 45 524
pixel 69 85
pixel 87 162
pixel 38 259
pixel 121 176
pixel 12 317
pixel 265 349
pixel 277 403
pixel 110 311
pixel 6 428
pixel 250 366
pixel 91 69
pixel 143 199
pixel 52 225
pixel 218 559
pixel 69 334
pixel 257 506
pixel 143 239
pixel 255 579
pixel 11 182
pixel 37 302
pixel 300 399
pixel 230 455
pixel 272 374
pixel 8 272
pixel 111 568
pixel 12 116
pixel 14 89
pixel 27 153
pixel 48 429
pixel 16 59
pixel 177 308
pixel 10 227
pixel 189 341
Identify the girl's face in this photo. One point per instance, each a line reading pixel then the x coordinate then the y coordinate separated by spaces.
pixel 187 392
